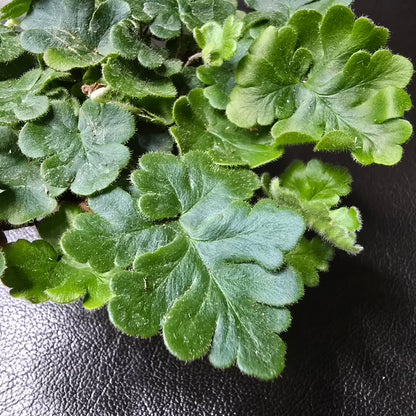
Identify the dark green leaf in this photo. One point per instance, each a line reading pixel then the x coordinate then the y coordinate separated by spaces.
pixel 85 153
pixel 201 127
pixel 9 44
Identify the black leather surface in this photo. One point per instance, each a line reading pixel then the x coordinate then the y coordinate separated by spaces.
pixel 351 347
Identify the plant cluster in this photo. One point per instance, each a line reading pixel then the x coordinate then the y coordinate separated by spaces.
pixel 128 133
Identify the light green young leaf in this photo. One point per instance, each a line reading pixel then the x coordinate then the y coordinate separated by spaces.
pixel 85 153
pixel 312 190
pixel 14 9
pixel 218 42
pixel 118 228
pixel 201 127
pixel 221 78
pixel 22 99
pixel 36 272
pixel 213 287
pixel 168 15
pixel 289 7
pixel 51 228
pixel 350 99
pixel 267 78
pixel 23 194
pixel 9 44
pixel 133 80
pixel 72 33
pixel 309 257
pixel 194 186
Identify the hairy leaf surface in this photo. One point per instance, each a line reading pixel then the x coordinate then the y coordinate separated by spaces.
pixel 213 286
pixel 36 272
pixel 201 127
pixel 15 8
pixel 72 33
pixel 9 44
pixel 22 99
pixel 85 153
pixel 23 194
pixel 313 190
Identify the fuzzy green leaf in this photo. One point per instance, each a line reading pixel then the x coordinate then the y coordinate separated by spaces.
pixel 309 257
pixel 36 272
pixel 9 44
pixel 221 78
pixel 85 153
pixel 133 80
pixel 267 78
pixel 118 228
pixel 193 186
pixel 168 15
pixel 218 42
pixel 15 8
pixel 201 127
pixel 289 7
pixel 23 194
pixel 22 99
pixel 350 99
pixel 312 190
pixel 212 287
pixel 72 33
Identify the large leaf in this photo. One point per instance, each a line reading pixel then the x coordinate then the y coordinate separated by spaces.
pixel 23 194
pixel 350 99
pixel 72 33
pixel 214 284
pixel 313 190
pixel 168 15
pixel 85 153
pixel 201 127
pixel 36 271
pixel 193 186
pixel 22 99
pixel 9 44
pixel 218 42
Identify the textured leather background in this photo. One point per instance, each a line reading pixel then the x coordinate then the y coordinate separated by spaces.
pixel 351 347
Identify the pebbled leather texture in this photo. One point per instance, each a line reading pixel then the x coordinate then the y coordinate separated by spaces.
pixel 351 346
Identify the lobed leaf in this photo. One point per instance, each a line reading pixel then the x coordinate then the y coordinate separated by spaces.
pixel 73 33
pixel 23 194
pixel 201 127
pixel 85 153
pixel 313 190
pixel 36 272
pixel 218 42
pixel 23 99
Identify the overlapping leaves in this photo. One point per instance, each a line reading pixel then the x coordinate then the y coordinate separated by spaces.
pixel 85 152
pixel 72 33
pixel 347 99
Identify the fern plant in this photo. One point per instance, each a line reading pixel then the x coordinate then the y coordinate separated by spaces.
pixel 129 131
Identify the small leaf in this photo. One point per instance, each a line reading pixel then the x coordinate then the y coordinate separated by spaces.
pixel 86 153
pixel 309 257
pixel 312 190
pixel 200 127
pixel 211 287
pixel 131 79
pixel 2 263
pixel 9 44
pixel 36 272
pixel 218 43
pixel 22 99
pixel 14 9
pixel 72 34
pixel 23 194
pixel 193 186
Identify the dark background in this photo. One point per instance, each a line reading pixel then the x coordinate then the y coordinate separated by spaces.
pixel 351 346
